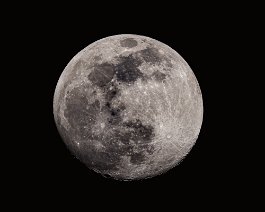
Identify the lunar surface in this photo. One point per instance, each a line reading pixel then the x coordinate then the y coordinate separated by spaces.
pixel 129 107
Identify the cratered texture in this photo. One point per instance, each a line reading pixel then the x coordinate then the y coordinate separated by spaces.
pixel 128 107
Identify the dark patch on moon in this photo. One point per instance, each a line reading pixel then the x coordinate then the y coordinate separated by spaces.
pixel 128 42
pixel 140 133
pixel 150 55
pixel 130 141
pixel 135 134
pixel 102 74
pixel 127 69
pixel 114 111
pixel 98 58
pixel 159 76
pixel 112 93
pixel 137 158
pixel 114 119
pixel 81 115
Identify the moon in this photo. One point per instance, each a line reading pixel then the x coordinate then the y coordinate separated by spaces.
pixel 129 107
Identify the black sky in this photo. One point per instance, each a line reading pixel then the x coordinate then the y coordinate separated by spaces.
pixel 206 38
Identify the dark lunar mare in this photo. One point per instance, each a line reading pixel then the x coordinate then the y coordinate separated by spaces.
pixel 132 134
pixel 127 70
pixel 81 115
pixel 159 76
pixel 128 42
pixel 151 55
pixel 102 74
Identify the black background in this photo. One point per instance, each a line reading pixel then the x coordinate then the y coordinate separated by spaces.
pixel 206 36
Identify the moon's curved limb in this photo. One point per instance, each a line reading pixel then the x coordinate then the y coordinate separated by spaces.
pixel 128 106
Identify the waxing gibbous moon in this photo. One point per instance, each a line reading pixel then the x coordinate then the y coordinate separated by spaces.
pixel 128 107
